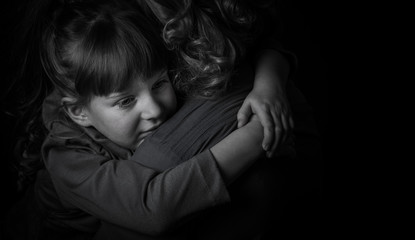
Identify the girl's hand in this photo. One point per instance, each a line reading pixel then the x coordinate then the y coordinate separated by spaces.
pixel 273 110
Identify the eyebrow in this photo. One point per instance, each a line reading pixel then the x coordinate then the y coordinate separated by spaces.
pixel 121 94
pixel 117 95
pixel 163 72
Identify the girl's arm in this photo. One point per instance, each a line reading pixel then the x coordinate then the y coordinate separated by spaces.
pixel 235 153
pixel 268 100
pixel 128 194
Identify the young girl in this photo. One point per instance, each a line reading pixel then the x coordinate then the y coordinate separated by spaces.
pixel 108 89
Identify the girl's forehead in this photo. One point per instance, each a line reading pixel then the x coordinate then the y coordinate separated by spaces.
pixel 139 82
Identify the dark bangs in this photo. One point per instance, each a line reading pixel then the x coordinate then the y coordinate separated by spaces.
pixel 118 48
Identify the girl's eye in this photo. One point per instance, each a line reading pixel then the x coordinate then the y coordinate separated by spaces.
pixel 160 84
pixel 126 102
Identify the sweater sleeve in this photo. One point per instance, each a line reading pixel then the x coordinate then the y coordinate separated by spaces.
pixel 130 195
pixel 268 31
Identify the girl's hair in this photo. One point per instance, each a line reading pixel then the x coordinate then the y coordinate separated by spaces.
pixel 209 38
pixel 97 47
pixel 82 49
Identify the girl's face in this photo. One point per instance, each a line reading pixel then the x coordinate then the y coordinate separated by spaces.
pixel 126 118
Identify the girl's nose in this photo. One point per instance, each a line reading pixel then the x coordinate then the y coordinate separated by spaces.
pixel 151 108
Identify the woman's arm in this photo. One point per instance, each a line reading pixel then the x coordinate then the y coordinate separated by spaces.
pixel 272 70
pixel 269 101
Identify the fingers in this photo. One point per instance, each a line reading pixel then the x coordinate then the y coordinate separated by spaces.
pixel 244 114
pixel 267 122
pixel 278 132
pixel 287 116
pixel 276 120
pixel 283 128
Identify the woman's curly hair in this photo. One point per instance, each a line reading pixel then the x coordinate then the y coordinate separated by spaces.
pixel 209 38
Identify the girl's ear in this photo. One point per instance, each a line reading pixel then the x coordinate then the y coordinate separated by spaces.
pixel 75 112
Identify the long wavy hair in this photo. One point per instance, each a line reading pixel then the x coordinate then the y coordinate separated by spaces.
pixel 81 49
pixel 209 38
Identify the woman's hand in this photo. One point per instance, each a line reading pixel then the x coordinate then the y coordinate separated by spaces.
pixel 268 100
pixel 271 106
